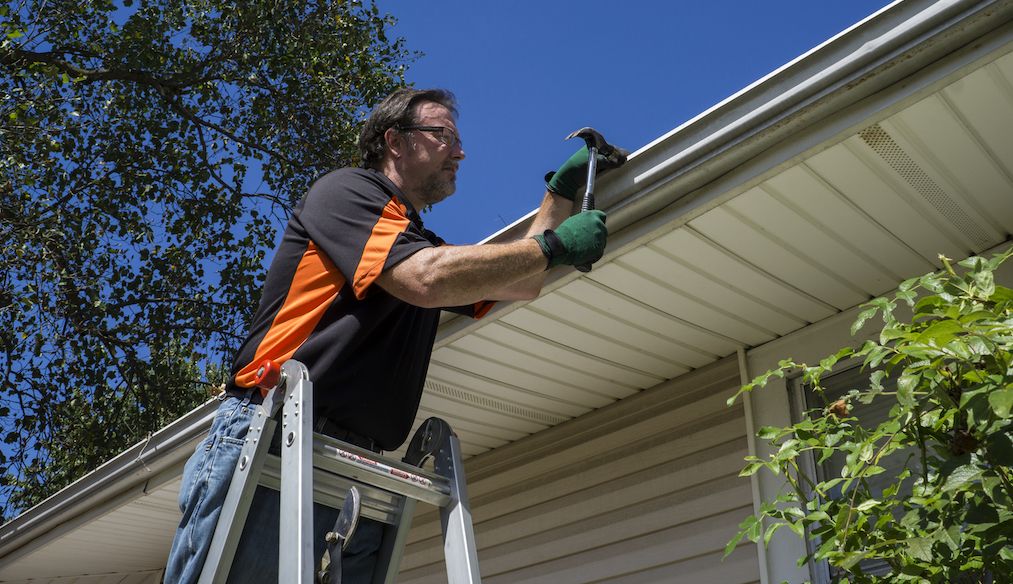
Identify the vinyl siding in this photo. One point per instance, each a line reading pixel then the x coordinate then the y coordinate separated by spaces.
pixel 645 490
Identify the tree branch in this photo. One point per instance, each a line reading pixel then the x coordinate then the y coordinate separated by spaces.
pixel 189 115
pixel 17 56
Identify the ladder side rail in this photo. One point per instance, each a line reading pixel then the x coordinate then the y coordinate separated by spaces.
pixel 460 552
pixel 395 538
pixel 295 526
pixel 245 479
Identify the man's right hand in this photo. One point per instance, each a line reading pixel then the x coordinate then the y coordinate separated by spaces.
pixel 579 240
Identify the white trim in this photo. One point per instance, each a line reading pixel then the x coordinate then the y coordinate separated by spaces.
pixel 754 480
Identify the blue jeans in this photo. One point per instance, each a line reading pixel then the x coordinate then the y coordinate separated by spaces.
pixel 206 479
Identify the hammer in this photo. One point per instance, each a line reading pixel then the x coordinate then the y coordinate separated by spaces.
pixel 596 144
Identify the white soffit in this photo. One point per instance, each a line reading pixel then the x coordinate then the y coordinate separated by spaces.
pixel 821 235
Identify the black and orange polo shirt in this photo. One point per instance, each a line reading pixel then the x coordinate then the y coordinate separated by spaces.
pixel 367 352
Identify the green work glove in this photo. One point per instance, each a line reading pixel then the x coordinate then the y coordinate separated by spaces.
pixel 571 176
pixel 577 241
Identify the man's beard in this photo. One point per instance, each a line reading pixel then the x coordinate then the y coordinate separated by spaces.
pixel 433 189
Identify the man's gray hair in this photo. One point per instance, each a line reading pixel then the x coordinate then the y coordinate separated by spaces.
pixel 397 110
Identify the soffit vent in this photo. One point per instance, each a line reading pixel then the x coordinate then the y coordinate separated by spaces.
pixel 880 142
pixel 494 405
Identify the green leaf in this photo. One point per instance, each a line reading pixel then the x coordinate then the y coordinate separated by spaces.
pixel 982 515
pixel 788 449
pixel 976 316
pixel 750 469
pixel 940 332
pixel 733 543
pixel 928 304
pixel 951 537
pixel 893 332
pixel 908 296
pixel 751 527
pixel 960 349
pixel 852 558
pixel 866 505
pixel 906 385
pixel 873 470
pixel 962 477
pixel 919 547
pixel 985 282
pixel 999 448
pixel 1002 294
pixel 908 284
pixel 771 530
pixel 863 316
pixel 1001 401
pixel 979 345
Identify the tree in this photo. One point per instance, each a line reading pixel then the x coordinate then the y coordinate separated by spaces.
pixel 947 516
pixel 148 155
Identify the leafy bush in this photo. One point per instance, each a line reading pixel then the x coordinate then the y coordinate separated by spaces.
pixel 948 515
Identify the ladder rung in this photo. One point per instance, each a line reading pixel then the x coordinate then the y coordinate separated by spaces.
pixel 329 489
pixel 370 468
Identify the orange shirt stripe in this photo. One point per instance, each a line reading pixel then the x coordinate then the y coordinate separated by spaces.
pixel 314 288
pixel 392 223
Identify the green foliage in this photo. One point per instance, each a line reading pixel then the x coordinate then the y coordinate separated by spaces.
pixel 148 153
pixel 948 515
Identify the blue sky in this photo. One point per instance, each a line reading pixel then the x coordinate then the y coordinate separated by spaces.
pixel 528 73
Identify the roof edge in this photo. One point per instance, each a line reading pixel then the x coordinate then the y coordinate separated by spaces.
pixel 885 49
pixel 131 468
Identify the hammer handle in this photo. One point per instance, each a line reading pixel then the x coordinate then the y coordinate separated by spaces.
pixel 588 203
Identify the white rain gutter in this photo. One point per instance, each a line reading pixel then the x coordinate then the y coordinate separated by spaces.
pixel 850 79
pixel 136 469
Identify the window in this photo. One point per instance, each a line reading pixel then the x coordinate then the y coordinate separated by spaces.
pixel 869 415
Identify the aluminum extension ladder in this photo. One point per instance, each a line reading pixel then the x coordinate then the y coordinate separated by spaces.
pixel 313 467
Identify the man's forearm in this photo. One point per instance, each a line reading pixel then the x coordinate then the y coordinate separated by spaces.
pixel 461 275
pixel 553 211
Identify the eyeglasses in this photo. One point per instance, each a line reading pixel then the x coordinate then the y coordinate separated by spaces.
pixel 442 133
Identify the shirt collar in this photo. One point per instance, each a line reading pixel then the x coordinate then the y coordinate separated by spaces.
pixel 413 214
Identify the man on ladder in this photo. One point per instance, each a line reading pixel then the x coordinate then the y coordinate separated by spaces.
pixel 354 292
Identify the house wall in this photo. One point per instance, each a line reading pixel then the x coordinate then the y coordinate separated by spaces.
pixel 645 490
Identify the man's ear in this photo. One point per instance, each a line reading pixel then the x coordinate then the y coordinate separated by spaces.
pixel 395 142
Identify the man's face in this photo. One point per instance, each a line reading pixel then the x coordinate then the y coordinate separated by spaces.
pixel 431 164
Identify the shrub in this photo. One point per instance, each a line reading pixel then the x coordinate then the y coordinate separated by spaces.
pixel 947 371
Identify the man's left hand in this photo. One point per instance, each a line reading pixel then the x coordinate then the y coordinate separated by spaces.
pixel 571 176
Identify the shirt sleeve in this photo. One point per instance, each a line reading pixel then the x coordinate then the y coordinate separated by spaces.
pixel 476 310
pixel 360 224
